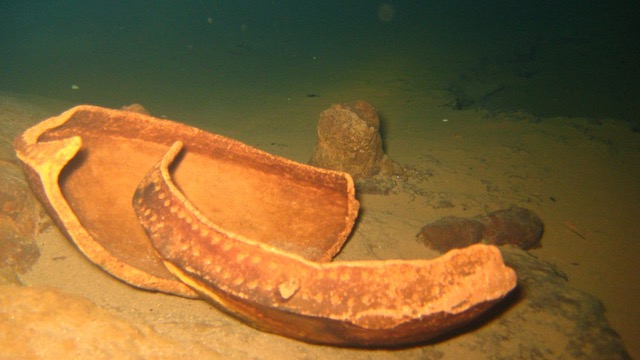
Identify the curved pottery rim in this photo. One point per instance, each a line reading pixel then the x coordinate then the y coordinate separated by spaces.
pixel 345 303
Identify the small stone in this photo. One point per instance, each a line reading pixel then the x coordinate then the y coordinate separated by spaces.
pixel 515 226
pixel 288 288
pixel 451 232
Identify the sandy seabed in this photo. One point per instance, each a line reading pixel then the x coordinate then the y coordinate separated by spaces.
pixel 581 176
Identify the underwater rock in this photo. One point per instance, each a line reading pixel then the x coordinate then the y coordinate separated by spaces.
pixel 346 303
pixel 515 226
pixel 21 220
pixel 451 232
pixel 547 319
pixel 349 140
pixel 38 323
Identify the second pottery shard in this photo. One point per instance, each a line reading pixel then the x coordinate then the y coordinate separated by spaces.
pixel 84 166
pixel 351 303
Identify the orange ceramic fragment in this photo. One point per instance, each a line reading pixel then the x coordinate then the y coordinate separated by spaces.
pixel 350 303
pixel 85 164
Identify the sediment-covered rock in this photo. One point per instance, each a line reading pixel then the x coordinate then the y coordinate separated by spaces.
pixel 349 140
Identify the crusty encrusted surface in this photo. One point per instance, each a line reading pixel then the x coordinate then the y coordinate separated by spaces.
pixel 351 303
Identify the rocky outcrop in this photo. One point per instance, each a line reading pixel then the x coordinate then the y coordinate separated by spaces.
pixel 349 140
pixel 21 220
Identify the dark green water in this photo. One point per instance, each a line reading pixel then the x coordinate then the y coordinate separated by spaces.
pixel 568 58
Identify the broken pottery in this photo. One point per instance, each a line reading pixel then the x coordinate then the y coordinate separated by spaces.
pixel 349 303
pixel 85 164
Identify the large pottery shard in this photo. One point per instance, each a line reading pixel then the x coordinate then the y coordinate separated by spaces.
pixel 350 303
pixel 84 166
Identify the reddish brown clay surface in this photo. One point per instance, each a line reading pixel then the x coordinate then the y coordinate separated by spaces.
pixel 347 303
pixel 84 166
